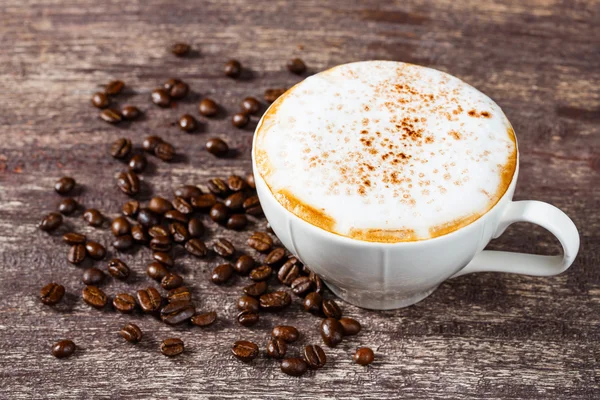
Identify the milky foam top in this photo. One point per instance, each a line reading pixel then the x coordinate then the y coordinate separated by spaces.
pixel 385 151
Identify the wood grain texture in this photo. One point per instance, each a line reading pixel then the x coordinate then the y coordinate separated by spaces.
pixel 484 336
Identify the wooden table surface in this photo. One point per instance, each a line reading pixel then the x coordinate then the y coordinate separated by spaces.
pixel 482 336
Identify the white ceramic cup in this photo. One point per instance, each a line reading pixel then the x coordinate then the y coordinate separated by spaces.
pixel 386 276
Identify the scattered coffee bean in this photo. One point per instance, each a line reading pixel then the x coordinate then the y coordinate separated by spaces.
pixel 208 107
pixel 275 301
pixel 312 303
pixel 233 68
pixel 130 112
pixel 138 163
pixel 332 332
pixel 244 350
pixel 182 206
pixel 168 85
pixel 237 222
pixel 93 217
pixel 314 356
pixel 120 226
pixel 174 215
pixel 236 183
pixel 147 218
pixel 51 222
pixel 250 105
pixel 179 90
pixel 250 180
pixel 179 232
pixel 331 309
pixel 161 98
pixel 244 265
pixel 301 286
pixel 171 347
pixel 260 241
pixel 317 282
pixel 204 201
pixel 120 148
pixel 131 332
pixel 74 238
pixel 256 289
pixel 63 349
pixel 76 254
pixel 187 123
pixel 276 348
pixel 180 49
pixel 275 257
pixel 350 325
pixel 52 293
pixel 131 208
pixel 161 243
pixel 150 143
pixel 113 88
pixel 94 296
pixel 67 206
pixel 196 247
pixel 64 185
pixel 255 210
pixel 187 192
pixel 159 205
pixel 240 120
pixel 138 233
pixel 165 151
pixel 224 248
pixel 222 273
pixel 163 258
pixel 195 227
pixel 205 319
pixel 218 187
pixel 273 94
pixel 171 281
pixel 248 303
pixel 179 294
pixel 111 116
pixel 123 242
pixel 128 182
pixel 217 147
pixel 261 273
pixel 156 270
pixel 177 312
pixel 149 299
pixel 158 231
pixel 248 318
pixel 363 356
pixel 124 303
pixel 118 269
pixel 95 250
pixel 296 66
pixel 235 201
pixel 288 334
pixel 92 276
pixel 294 366
pixel 100 100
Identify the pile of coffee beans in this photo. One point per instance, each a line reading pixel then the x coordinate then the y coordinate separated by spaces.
pixel 166 222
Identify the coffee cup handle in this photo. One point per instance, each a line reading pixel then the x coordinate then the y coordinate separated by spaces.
pixel 539 213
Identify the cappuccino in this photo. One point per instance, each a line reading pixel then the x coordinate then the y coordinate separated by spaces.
pixel 385 151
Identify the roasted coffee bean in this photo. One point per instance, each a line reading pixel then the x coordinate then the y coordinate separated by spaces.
pixel 113 88
pixel 208 107
pixel 178 232
pixel 247 318
pixel 217 147
pixel 273 94
pixel 74 238
pixel 94 296
pixel 92 276
pixel 187 123
pixel 363 356
pixel 67 206
pixel 204 319
pixel 350 325
pixel 177 312
pixel 332 332
pixel 233 68
pixel 244 350
pixel 76 254
pixel 314 356
pixel 250 180
pixel 111 116
pixel 186 192
pixel 161 98
pixel 275 257
pixel 95 250
pixel 174 215
pixel 161 243
pixel 156 270
pixel 168 85
pixel 159 205
pixel 236 183
pixel 179 90
pixel 130 112
pixel 149 299
pixel 261 273
pixel 120 226
pixel 118 269
pixel 180 49
pixel 182 206
pixel 240 120
pixel 250 205
pixel 128 182
pixel 138 233
pixel 288 273
pixel 165 151
pixel 223 247
pixel 204 201
pixel 218 187
pixel 235 201
pixel 51 222
pixel 150 143
pixel 123 242
pixel 244 265
pixel 120 148
pixel 294 366
pixel 100 100
pixel 158 231
pixel 260 241
pixel 256 289
pixel 63 349
pixel 312 303
pixel 237 222
pixel 222 273
pixel 276 348
pixel 301 286
pixel 331 309
pixel 163 258
pixel 138 163
pixel 179 294
pixel 250 105
pixel 195 227
pixel 93 217
pixel 131 208
pixel 317 282
pixel 52 293
pixel 171 281
pixel 296 66
pixel 147 218
pixel 275 301
pixel 124 303
pixel 64 185
pixel 131 332
pixel 248 303
pixel 288 334
pixel 196 247
pixel 172 347
pixel 255 211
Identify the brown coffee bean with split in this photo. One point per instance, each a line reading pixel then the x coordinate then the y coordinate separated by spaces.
pixel 180 49
pixel 131 208
pixel 64 185
pixel 312 303
pixel 250 180
pixel 113 88
pixel 235 201
pixel 317 282
pixel 205 319
pixel 179 90
pixel 92 276
pixel 161 244
pixel 276 257
pixel 120 148
pixel 296 66
pixel 174 215
pixel 171 281
pixel 244 265
pixel 51 222
pixel 224 248
pixel 149 299
pixel 124 302
pixel 276 348
pixel 261 273
pixel 94 296
pixel 150 143
pixel 222 273
pixel 187 123
pixel 132 333
pixel 208 107
pixel 177 312
pixel 250 105
pixel 301 286
pixel 172 347
pixel 73 238
pixel 218 187
pixel 118 269
pixel 179 232
pixel 156 270
pixel 204 201
pixel 350 325
pixel 163 258
pixel 217 147
pixel 248 303
pixel 158 231
pixel 256 289
pixel 186 192
pixel 288 334
pixel 237 222
pixel 331 309
pixel 260 241
pixel 275 301
pixel 67 206
pixel 100 100
pixel 179 294
pixel 52 293
pixel 294 366
pixel 236 183
pixel 138 233
pixel 196 247
pixel 165 151
pixel 123 242
pixel 240 120
pixel 76 254
pixel 363 356
pixel 63 349
pixel 233 68
pixel 93 217
pixel 138 163
pixel 244 350
pixel 95 250
pixel 120 226
pixel 161 98
pixel 195 227
pixel 251 202
pixel 130 112
pixel 111 116
pixel 288 273
pixel 182 206
pixel 147 218
pixel 314 356
pixel 248 318
pixel 128 182
pixel 273 94
pixel 332 332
